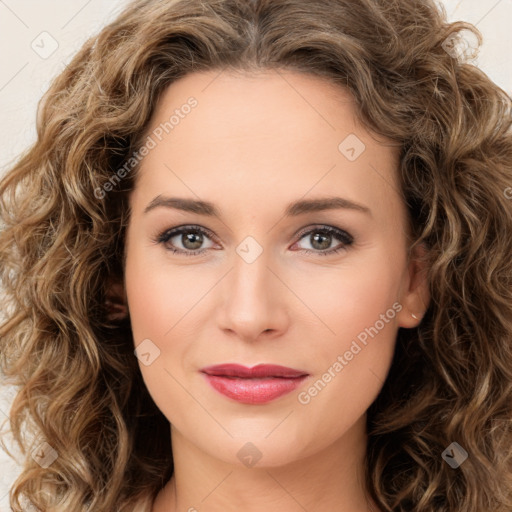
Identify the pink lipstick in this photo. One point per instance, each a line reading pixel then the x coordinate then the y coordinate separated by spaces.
pixel 257 385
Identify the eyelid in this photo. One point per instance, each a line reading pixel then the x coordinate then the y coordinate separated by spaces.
pixel 345 238
pixel 184 228
pixel 324 227
pixel 342 235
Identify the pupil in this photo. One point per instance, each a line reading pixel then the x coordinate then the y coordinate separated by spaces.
pixel 189 238
pixel 326 238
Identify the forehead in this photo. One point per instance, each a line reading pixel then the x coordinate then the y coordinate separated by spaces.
pixel 271 105
pixel 282 133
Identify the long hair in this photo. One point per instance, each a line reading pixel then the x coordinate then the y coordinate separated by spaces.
pixel 79 388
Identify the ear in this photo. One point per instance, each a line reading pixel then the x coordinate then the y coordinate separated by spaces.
pixel 116 304
pixel 415 292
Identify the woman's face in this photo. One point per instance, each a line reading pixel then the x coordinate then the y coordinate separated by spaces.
pixel 258 169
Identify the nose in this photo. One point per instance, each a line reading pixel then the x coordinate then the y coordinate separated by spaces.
pixel 253 302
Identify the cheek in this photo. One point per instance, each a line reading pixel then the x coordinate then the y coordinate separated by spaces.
pixel 160 295
pixel 351 360
pixel 160 304
pixel 352 296
pixel 349 373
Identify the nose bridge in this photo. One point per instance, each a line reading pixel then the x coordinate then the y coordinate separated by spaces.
pixel 249 284
pixel 252 300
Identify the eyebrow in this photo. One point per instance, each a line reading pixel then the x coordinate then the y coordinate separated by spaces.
pixel 293 209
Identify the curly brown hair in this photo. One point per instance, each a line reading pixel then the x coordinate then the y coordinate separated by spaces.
pixel 62 247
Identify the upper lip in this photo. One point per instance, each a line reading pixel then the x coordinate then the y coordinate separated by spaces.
pixel 258 371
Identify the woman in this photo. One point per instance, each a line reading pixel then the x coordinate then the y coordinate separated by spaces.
pixel 259 259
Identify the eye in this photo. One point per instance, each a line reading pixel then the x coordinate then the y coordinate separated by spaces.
pixel 321 238
pixel 190 237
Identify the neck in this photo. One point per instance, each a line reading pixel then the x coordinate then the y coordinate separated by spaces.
pixel 330 480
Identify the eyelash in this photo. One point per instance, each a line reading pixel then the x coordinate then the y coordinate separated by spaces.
pixel 341 235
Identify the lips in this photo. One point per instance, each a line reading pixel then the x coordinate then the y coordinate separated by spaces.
pixel 257 385
pixel 259 371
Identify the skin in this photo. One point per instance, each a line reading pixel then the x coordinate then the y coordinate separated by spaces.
pixel 254 144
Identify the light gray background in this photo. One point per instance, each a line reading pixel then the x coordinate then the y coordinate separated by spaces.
pixel 26 69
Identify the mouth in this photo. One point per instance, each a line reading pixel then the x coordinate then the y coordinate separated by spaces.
pixel 257 385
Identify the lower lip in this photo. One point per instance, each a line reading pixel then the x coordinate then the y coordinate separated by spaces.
pixel 254 391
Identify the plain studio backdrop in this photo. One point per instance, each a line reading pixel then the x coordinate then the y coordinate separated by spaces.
pixel 37 40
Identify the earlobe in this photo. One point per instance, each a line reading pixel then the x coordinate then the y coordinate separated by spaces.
pixel 115 302
pixel 416 294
